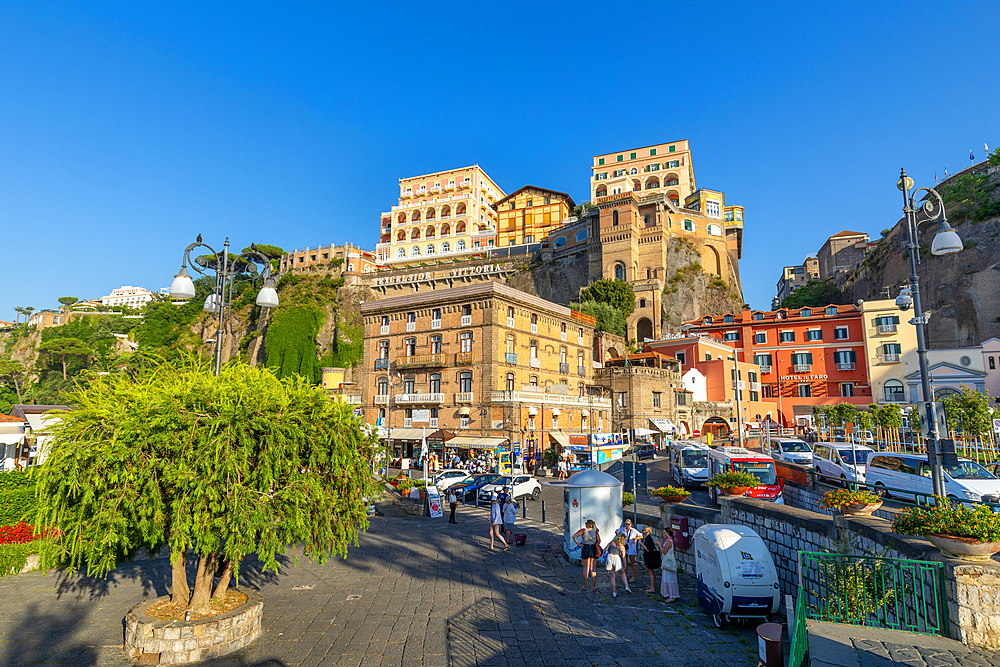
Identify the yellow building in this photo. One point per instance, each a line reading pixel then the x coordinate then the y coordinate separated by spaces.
pixel 662 169
pixel 891 350
pixel 529 214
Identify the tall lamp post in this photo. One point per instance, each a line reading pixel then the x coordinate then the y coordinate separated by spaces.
pixel 229 271
pixel 946 241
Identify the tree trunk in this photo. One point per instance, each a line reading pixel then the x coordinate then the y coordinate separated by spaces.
pixel 179 591
pixel 64 366
pixel 224 577
pixel 17 388
pixel 203 580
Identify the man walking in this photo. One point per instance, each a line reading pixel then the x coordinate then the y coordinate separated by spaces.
pixel 452 503
pixel 632 539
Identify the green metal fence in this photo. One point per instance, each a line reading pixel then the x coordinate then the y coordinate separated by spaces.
pixel 800 638
pixel 875 592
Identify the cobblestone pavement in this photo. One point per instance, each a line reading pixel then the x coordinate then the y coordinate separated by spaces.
pixel 416 593
pixel 832 645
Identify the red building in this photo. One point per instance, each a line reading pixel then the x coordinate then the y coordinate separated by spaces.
pixel 807 356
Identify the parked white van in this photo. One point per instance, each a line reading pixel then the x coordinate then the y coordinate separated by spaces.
pixel 911 472
pixel 841 461
pixel 791 450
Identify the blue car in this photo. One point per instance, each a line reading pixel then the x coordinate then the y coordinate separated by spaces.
pixel 470 490
pixel 646 452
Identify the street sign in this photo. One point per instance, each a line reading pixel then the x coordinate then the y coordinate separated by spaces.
pixel 942 420
pixel 849 428
pixel 996 425
pixel 637 470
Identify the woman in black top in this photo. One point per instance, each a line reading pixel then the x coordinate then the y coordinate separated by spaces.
pixel 650 556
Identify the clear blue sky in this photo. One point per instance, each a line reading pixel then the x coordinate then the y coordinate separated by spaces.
pixel 126 130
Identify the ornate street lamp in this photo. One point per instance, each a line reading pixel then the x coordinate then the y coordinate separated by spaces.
pixel 230 270
pixel 946 242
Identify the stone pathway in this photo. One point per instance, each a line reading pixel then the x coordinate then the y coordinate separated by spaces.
pixel 834 645
pixel 416 593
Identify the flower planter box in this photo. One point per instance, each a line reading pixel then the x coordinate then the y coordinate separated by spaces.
pixel 735 490
pixel 673 500
pixel 860 509
pixel 964 548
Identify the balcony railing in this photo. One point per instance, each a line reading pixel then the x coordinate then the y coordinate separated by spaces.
pixel 466 320
pixel 886 328
pixel 581 371
pixel 564 368
pixel 407 422
pixel 463 358
pixel 534 328
pixel 802 368
pixel 542 397
pixel 435 324
pixel 384 330
pixel 755 386
pixel 534 362
pixel 411 326
pixel 381 364
pixel 582 341
pixel 845 366
pixel 765 369
pixel 433 422
pixel 510 322
pixel 418 360
pixel 511 358
pixel 888 358
pixel 562 336
pixel 464 397
pixel 382 399
pixel 418 399
pixel 894 398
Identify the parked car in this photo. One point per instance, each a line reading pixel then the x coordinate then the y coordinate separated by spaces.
pixel 841 461
pixel 471 485
pixel 897 474
pixel 994 468
pixel 644 452
pixel 791 450
pixel 522 486
pixel 446 478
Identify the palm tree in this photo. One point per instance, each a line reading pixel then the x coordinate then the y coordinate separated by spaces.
pixel 27 313
pixel 20 311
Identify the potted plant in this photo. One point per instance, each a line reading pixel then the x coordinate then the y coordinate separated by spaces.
pixel 967 533
pixel 851 503
pixel 404 485
pixel 671 495
pixel 627 498
pixel 733 483
pixel 421 488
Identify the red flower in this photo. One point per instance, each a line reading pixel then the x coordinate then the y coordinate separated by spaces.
pixel 18 534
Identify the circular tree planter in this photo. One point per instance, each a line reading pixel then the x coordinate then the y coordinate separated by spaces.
pixel 160 642
pixel 735 490
pixel 860 509
pixel 964 548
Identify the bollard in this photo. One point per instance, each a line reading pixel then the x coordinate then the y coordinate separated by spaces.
pixel 524 510
pixel 770 650
pixel 543 511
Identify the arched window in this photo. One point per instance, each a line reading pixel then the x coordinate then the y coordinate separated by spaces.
pixel 410 346
pixel 445 229
pixel 415 233
pixel 634 171
pixel 510 382
pixel 415 217
pixel 445 247
pixel 429 232
pixel 400 252
pixel 620 272
pixel 415 251
pixel 401 236
pixel 401 219
pixel 894 391
pixel 602 191
pixel 460 245
pixel 430 214
pixel 460 209
pixel 429 249
pixel 560 242
pixel 581 235
pixel 652 183
pixel 465 382
pixel 533 380
pixel 614 217
pixel 688 226
pixel 435 383
pixel 648 274
pixel 642 303
pixel 460 228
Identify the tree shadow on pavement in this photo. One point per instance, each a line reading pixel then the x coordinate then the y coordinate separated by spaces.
pixel 45 638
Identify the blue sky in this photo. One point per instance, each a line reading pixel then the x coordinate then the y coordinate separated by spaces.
pixel 127 129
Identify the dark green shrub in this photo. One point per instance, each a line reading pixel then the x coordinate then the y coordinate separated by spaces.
pixel 17 505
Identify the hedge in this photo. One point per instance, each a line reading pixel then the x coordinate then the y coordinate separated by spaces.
pixel 16 480
pixel 17 505
pixel 13 557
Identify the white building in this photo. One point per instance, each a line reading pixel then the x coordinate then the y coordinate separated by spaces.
pixel 133 297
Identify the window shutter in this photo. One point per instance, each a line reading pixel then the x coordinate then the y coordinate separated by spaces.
pixel 809 357
pixel 854 357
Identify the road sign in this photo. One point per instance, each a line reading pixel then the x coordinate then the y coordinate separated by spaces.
pixel 849 428
pixel 942 420
pixel 996 425
pixel 638 471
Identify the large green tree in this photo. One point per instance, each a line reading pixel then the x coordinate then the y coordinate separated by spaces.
pixel 227 466
pixel 968 412
pixel 68 300
pixel 64 351
pixel 615 292
pixel 609 318
pixel 12 373
pixel 814 293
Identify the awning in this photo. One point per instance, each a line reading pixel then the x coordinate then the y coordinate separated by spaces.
pixel 561 438
pixel 555 412
pixel 644 431
pixel 532 412
pixel 11 438
pixel 468 442
pixel 662 424
pixel 585 413
pixel 464 412
pixel 406 433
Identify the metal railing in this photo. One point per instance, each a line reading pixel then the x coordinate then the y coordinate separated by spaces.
pixel 845 366
pixel 890 593
pixel 886 328
pixel 510 358
pixel 889 358
pixel 802 368
pixel 799 641
pixel 564 368
pixel 381 364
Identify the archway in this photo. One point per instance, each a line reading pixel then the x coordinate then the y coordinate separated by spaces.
pixel 643 329
pixel 711 260
pixel 717 426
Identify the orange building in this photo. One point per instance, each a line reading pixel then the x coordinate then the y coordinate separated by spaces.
pixel 807 356
pixel 529 214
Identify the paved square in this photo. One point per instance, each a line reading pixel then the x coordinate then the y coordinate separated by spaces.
pixel 417 593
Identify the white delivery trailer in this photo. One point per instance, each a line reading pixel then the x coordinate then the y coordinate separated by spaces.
pixel 736 575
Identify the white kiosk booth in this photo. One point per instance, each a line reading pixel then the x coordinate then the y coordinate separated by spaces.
pixel 590 494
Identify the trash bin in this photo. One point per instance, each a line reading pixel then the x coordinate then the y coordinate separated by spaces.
pixel 770 649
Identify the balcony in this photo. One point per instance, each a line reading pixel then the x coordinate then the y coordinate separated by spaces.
pixel 433 422
pixel 884 329
pixel 382 399
pixel 411 326
pixel 407 422
pixel 755 386
pixel 436 189
pixel 545 398
pixel 562 336
pixel 466 320
pixel 511 358
pixel 465 184
pixel 435 324
pixel 421 361
pixel 848 366
pixel 382 364
pixel 534 328
pixel 464 397
pixel 887 358
pixel 802 368
pixel 384 330
pixel 564 368
pixel 450 186
pixel 418 399
pixel 534 362
pixel 581 371
pixel 765 369
pixel 582 341
pixel 407 195
pixel 894 398
pixel 463 358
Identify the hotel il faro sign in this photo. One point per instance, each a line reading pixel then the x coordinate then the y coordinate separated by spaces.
pixel 481 270
pixel 800 378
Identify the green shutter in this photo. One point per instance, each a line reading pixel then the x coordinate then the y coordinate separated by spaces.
pixel 854 357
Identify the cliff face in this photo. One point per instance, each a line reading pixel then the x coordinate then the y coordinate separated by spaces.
pixel 961 290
